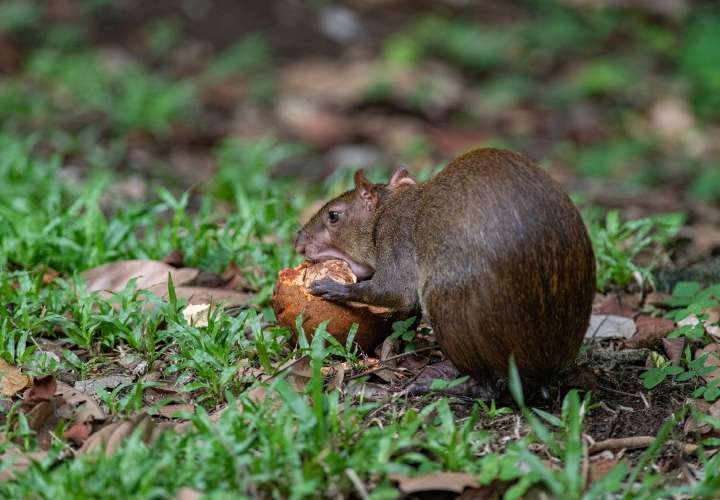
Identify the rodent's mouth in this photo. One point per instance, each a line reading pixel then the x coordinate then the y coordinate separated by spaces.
pixel 360 270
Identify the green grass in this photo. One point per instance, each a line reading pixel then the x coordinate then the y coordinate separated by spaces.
pixel 68 104
pixel 286 446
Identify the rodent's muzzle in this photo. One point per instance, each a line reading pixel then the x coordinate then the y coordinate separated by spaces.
pixel 301 242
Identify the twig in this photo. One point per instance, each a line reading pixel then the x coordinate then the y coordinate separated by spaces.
pixel 404 354
pixel 618 392
pixel 629 443
pixel 621 443
pixel 391 358
pixel 359 486
pixel 373 370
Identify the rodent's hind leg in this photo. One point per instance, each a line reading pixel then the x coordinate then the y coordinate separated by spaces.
pixel 486 388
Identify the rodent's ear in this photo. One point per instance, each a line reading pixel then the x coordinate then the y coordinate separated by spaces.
pixel 365 190
pixel 401 177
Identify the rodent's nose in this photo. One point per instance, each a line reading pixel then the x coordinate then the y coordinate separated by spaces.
pixel 300 242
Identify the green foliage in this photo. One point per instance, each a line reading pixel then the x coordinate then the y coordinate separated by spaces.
pixel 689 299
pixel 404 331
pixel 618 244
pixel 70 84
pixel 251 57
pixel 19 15
pixel 700 62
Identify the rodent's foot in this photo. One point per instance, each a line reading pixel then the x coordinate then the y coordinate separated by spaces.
pixel 329 289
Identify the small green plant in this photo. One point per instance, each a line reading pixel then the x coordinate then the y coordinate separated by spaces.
pixel 618 244
pixel 404 331
pixel 689 299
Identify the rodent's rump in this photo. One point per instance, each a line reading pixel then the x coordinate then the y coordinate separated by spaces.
pixel 491 249
pixel 518 274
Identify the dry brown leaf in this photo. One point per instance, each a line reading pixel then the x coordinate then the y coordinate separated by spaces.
pixel 188 494
pixel 112 436
pixel 439 481
pixel 14 461
pixel 692 425
pixel 196 314
pixel 674 349
pixel 11 380
pixel 174 258
pixel 170 411
pixel 79 407
pixel 650 331
pixel 713 359
pixel 92 386
pixel 205 295
pixel 49 276
pixel 78 433
pixel 42 389
pixel 610 305
pixel 338 377
pixel 367 391
pixel 42 415
pixel 600 465
pixel 388 349
pixel 300 374
pixel 115 276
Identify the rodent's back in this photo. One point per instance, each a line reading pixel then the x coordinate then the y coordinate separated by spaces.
pixel 506 265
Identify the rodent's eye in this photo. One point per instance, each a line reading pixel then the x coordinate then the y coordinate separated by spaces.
pixel 333 216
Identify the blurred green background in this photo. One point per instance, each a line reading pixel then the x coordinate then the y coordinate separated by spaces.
pixel 131 129
pixel 622 90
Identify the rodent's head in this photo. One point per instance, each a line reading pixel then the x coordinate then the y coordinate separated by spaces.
pixel 342 228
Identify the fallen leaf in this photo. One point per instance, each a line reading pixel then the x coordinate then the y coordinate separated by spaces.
pixel 115 276
pixel 205 295
pixel 674 349
pixel 78 433
pixel 14 461
pixel 611 305
pixel 92 386
pixel 312 122
pixel 196 314
pixel 650 331
pixel 455 482
pixel 672 119
pixel 174 258
pixel 171 410
pixel 300 374
pixel 366 391
pixel 41 415
pixel 604 326
pixel 49 276
pixel 713 359
pixel 657 299
pixel 389 349
pixel 42 389
pixel 79 407
pixel 188 494
pixel 338 372
pixel 445 371
pixel 11 380
pixel 112 436
pixel 693 425
pixel 600 465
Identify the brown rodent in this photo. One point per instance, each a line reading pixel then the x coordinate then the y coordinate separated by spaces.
pixel 491 249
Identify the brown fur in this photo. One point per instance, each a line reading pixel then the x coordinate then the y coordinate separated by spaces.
pixel 491 249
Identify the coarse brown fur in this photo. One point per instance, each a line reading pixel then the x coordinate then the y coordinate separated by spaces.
pixel 491 249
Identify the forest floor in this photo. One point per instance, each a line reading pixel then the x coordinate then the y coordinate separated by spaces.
pixel 146 141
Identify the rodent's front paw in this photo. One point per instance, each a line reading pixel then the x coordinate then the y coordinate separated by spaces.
pixel 329 289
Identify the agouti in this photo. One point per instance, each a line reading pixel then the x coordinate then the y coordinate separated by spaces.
pixel 491 249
